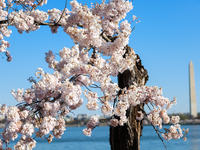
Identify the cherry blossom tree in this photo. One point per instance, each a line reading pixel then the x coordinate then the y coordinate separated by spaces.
pixel 101 36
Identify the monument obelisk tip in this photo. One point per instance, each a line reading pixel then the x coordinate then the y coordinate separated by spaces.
pixel 193 106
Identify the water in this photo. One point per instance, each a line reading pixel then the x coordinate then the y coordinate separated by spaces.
pixel 151 141
pixel 73 139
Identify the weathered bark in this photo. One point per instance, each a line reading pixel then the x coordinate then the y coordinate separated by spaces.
pixel 127 137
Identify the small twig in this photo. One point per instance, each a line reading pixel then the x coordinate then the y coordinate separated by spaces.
pixel 94 86
pixel 83 84
pixel 38 4
pixel 159 135
pixel 47 23
pixel 148 106
pixel 157 131
pixel 63 12
pixel 88 49
pixel 71 112
pixel 31 79
pixel 131 31
pixel 115 100
pixel 105 37
pixel 74 77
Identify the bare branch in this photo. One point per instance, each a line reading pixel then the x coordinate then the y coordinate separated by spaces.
pixel 63 11
pixel 157 131
pixel 83 84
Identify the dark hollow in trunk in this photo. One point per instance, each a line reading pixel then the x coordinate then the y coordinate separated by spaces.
pixel 127 137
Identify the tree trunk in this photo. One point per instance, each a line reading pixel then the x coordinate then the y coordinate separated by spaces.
pixel 127 137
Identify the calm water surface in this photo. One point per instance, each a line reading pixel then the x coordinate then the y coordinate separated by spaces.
pixel 73 139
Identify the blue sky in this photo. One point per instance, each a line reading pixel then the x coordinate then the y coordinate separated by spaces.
pixel 166 39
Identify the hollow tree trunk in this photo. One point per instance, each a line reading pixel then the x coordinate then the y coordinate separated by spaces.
pixel 127 137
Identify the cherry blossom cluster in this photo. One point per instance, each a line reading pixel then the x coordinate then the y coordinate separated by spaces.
pixel 91 29
pixel 31 3
pixel 55 95
pixel 84 25
pixel 25 19
pixel 92 100
pixel 157 116
pixel 4 31
pixel 97 32
pixel 175 132
pixel 92 123
pixel 111 14
pixel 17 122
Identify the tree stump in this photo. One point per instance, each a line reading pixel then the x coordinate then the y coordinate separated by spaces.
pixel 127 137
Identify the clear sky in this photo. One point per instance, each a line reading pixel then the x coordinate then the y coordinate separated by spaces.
pixel 166 39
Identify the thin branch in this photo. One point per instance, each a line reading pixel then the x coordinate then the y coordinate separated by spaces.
pixel 37 23
pixel 83 84
pixel 63 11
pixel 131 31
pixel 148 106
pixel 157 131
pixel 47 23
pixel 38 4
pixel 88 49
pixel 159 135
pixel 31 79
pixel 94 86
pixel 74 77
pixel 24 104
pixel 100 100
pixel 3 21
pixel 105 37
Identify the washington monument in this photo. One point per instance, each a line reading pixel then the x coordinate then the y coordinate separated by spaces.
pixel 193 105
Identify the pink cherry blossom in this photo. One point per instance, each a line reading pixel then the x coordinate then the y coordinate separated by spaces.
pixel 100 35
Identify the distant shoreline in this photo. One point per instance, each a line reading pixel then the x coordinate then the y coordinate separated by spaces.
pixel 2 125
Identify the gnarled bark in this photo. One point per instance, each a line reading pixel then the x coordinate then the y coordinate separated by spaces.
pixel 127 137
